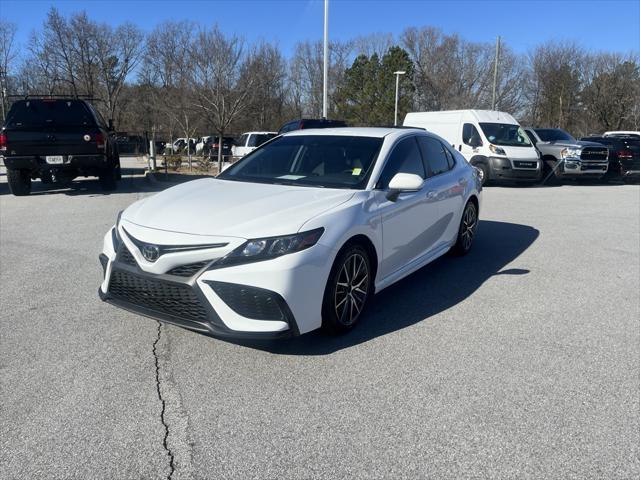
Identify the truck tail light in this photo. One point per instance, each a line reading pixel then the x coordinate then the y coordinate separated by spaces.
pixel 99 140
pixel 3 142
pixel 622 154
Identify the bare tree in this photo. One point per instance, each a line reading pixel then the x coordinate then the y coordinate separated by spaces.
pixel 222 82
pixel 306 75
pixel 7 57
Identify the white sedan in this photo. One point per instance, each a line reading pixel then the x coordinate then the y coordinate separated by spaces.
pixel 298 235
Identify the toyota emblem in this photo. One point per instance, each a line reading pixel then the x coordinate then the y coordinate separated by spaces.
pixel 151 252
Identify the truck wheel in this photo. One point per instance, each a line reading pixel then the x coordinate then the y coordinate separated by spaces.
pixel 19 181
pixel 485 173
pixel 108 178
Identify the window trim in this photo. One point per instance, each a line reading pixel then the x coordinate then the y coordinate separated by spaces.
pixel 386 160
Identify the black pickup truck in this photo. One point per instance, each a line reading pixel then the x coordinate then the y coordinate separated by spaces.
pixel 57 140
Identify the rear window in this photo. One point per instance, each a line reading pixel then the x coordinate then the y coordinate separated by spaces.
pixel 258 139
pixel 49 113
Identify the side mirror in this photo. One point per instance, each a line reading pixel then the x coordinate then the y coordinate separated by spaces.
pixel 404 182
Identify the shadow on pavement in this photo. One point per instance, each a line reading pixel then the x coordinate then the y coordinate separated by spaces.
pixel 133 181
pixel 427 292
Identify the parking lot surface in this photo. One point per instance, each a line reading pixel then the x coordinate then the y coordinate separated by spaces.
pixel 520 360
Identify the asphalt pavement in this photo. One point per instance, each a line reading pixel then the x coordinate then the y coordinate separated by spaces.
pixel 520 360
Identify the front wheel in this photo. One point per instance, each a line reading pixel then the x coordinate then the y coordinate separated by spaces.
pixel 467 229
pixel 348 290
pixel 19 181
pixel 484 173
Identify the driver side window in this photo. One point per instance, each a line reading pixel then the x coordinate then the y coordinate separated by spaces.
pixel 405 158
pixel 470 135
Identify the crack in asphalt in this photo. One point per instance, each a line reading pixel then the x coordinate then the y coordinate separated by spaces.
pixel 172 467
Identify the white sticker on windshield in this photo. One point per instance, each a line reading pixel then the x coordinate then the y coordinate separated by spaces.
pixel 291 177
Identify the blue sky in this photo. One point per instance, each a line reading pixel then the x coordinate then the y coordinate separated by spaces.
pixel 596 25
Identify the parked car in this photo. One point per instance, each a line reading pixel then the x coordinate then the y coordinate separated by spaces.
pixel 564 156
pixel 249 141
pixel 492 141
pixel 201 143
pixel 624 133
pixel 131 144
pixel 303 123
pixel 297 235
pixel 212 144
pixel 180 146
pixel 57 140
pixel 624 154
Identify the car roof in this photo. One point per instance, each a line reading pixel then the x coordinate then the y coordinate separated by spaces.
pixel 259 133
pixel 378 132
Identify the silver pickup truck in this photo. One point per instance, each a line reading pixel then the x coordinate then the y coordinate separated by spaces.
pixel 567 157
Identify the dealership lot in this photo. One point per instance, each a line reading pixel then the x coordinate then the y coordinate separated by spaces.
pixel 519 360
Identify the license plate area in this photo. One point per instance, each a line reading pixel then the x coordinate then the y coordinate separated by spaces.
pixel 54 159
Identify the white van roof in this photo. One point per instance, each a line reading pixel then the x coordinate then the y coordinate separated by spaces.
pixel 481 116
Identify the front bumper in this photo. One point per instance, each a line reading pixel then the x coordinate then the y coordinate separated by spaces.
pixel 276 298
pixel 503 168
pixel 582 168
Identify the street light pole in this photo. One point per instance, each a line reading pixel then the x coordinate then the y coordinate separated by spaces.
pixel 325 69
pixel 397 74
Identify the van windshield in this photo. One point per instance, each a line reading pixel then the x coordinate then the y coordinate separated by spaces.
pixel 505 134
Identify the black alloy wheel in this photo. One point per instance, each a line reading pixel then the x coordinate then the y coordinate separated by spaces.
pixel 348 290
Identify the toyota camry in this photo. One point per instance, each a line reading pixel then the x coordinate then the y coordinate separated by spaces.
pixel 297 235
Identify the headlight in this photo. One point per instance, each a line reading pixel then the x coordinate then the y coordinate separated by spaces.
pixel 496 150
pixel 571 153
pixel 259 249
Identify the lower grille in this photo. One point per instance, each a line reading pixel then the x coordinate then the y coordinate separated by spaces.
pixel 250 302
pixel 593 166
pixel 160 296
pixel 594 153
pixel 125 256
pixel 187 270
pixel 521 164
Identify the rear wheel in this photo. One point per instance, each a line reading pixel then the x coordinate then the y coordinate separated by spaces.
pixel 467 229
pixel 348 290
pixel 19 181
pixel 108 178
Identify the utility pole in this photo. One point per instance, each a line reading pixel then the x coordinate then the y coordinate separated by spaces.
pixel 395 115
pixel 495 74
pixel 325 72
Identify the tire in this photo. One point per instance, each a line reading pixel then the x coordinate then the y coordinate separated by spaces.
pixel 347 295
pixel 118 169
pixel 19 181
pixel 467 229
pixel 485 173
pixel 108 178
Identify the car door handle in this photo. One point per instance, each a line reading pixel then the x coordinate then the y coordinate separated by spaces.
pixel 431 194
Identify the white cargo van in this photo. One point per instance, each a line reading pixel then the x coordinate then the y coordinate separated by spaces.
pixel 491 141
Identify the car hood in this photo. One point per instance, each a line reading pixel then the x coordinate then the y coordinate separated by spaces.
pixel 577 143
pixel 237 209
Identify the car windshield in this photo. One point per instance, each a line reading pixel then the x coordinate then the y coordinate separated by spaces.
pixel 505 134
pixel 554 135
pixel 49 112
pixel 332 161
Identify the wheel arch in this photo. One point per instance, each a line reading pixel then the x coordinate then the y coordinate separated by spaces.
pixel 367 244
